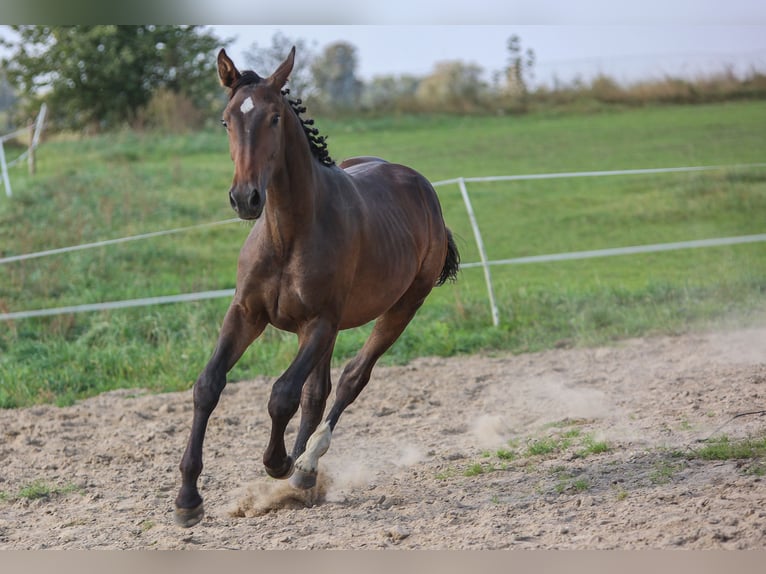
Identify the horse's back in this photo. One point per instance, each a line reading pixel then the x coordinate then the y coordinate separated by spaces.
pixel 359 160
pixel 380 180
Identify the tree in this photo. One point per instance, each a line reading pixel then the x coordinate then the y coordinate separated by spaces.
pixel 519 70
pixel 390 93
pixel 103 75
pixel 453 86
pixel 335 77
pixel 265 61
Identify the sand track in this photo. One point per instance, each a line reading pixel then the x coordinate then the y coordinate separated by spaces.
pixel 395 473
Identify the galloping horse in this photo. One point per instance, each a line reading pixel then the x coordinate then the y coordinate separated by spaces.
pixel 333 247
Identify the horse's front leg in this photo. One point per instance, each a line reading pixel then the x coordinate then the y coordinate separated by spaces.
pixel 316 342
pixel 237 333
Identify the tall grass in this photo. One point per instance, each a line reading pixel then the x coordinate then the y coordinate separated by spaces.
pixel 126 183
pixel 720 86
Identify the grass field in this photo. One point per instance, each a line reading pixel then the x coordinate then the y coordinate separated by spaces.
pixel 122 184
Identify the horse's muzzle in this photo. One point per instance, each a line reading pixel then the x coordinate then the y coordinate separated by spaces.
pixel 248 204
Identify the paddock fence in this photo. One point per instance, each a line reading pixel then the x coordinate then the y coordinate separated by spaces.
pixel 484 263
pixel 35 131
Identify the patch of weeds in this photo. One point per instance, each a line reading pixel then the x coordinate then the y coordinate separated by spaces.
pixel 571 433
pixel 565 439
pixel 685 425
pixel 504 454
pixel 146 525
pixel 723 448
pixel 445 474
pixel 756 469
pixel 592 446
pixel 663 472
pixel 478 468
pixel 543 446
pixel 39 489
pixel 580 485
pixel 35 490
pixel 474 470
pixel 568 482
pixel 621 494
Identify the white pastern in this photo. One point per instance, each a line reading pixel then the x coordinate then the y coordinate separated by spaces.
pixel 316 446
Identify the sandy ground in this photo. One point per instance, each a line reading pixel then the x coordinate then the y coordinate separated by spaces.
pixel 395 475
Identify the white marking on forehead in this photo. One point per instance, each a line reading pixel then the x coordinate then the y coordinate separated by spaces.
pixel 247 105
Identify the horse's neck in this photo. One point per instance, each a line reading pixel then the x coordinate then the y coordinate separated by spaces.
pixel 292 199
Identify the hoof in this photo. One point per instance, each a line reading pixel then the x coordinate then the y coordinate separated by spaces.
pixel 303 480
pixel 282 472
pixel 188 517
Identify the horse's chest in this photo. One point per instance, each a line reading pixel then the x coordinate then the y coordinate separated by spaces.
pixel 309 281
pixel 290 299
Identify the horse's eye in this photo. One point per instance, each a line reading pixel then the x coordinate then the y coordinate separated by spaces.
pixel 275 120
pixel 224 124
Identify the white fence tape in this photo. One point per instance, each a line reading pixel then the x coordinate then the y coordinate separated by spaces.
pixel 203 295
pixel 624 250
pixel 572 174
pixel 185 297
pixel 143 302
pixel 12 258
pixel 60 250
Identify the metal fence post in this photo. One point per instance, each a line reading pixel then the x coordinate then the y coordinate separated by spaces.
pixel 4 168
pixel 482 252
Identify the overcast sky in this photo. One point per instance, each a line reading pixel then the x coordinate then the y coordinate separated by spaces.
pixel 626 52
pixel 628 40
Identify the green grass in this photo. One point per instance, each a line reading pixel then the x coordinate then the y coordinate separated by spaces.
pixel 664 471
pixel 543 446
pixel 121 184
pixel 583 445
pixel 724 448
pixel 40 489
pixel 566 437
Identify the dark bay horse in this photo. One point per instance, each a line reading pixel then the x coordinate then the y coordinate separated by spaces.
pixel 333 247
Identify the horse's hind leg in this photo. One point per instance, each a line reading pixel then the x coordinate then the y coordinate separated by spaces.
pixel 356 375
pixel 236 335
pixel 313 401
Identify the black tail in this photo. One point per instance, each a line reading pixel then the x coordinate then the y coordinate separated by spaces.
pixel 451 262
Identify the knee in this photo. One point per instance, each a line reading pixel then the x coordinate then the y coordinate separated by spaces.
pixel 283 403
pixel 207 390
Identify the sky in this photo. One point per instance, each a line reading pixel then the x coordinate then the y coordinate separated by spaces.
pixel 625 52
pixel 626 39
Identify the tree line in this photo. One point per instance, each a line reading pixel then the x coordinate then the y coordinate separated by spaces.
pixel 98 77
pixel 106 76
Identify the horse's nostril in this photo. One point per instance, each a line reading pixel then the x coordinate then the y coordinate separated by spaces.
pixel 232 201
pixel 255 198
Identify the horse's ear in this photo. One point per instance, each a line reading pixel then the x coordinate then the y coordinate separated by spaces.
pixel 280 75
pixel 227 71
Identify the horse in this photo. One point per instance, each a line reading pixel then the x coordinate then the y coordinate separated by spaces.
pixel 333 246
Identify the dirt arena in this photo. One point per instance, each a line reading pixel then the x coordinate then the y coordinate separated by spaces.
pixel 438 454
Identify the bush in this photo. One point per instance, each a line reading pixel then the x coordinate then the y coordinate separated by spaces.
pixel 170 111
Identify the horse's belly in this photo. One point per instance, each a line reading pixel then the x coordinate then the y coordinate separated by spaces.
pixel 372 296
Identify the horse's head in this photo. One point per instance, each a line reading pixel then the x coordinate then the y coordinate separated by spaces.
pixel 253 119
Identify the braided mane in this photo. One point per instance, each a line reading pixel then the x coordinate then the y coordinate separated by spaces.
pixel 317 143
